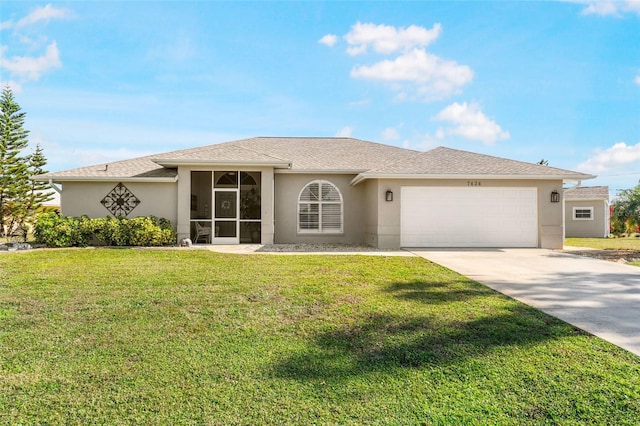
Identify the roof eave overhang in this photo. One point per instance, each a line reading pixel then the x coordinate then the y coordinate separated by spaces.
pixel 171 163
pixel 61 179
pixel 563 178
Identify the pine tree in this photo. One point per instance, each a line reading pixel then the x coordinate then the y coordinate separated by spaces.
pixel 14 171
pixel 37 192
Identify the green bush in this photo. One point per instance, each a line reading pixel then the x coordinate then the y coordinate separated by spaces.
pixel 147 231
pixel 110 231
pixel 55 230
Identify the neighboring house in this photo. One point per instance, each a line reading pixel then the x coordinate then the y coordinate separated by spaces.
pixel 587 211
pixel 53 203
pixel 329 190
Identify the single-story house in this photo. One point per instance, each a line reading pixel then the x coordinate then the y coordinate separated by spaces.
pixel 329 190
pixel 587 212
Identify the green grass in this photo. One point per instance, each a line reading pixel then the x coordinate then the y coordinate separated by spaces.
pixel 125 336
pixel 628 243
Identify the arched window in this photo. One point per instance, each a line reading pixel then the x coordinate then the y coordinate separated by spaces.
pixel 320 208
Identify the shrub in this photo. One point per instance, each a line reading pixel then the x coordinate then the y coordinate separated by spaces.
pixel 55 230
pixel 148 231
pixel 110 231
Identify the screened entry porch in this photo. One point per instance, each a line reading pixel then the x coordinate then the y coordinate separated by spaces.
pixel 226 207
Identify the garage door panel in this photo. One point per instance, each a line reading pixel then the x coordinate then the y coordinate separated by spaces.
pixel 468 217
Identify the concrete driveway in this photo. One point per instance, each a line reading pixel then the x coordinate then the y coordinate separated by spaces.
pixel 598 296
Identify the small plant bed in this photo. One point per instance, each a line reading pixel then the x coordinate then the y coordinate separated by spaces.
pixel 106 336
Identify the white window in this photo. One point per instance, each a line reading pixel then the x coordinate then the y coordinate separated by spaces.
pixel 320 208
pixel 583 213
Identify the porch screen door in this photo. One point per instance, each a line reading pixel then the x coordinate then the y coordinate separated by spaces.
pixel 225 213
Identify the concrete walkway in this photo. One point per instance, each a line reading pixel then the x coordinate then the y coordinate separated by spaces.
pixel 598 296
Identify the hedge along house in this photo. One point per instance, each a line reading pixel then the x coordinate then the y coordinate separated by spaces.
pixel 587 212
pixel 329 190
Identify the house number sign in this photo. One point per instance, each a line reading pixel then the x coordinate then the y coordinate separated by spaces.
pixel 474 183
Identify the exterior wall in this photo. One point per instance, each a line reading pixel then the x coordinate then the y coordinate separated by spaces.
pixel 184 199
pixel 83 198
pixel 597 227
pixel 287 191
pixel 371 196
pixel 550 215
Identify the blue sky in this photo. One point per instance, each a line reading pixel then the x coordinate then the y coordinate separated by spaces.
pixel 102 81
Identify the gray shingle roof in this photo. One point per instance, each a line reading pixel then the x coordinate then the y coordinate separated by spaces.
pixel 137 168
pixel 452 162
pixel 347 155
pixel 587 193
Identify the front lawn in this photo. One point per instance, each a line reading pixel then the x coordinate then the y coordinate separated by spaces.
pixel 627 243
pixel 126 336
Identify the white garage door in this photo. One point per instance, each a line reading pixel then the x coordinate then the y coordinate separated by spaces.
pixel 468 217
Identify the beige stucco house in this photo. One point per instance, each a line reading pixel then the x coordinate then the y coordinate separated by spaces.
pixel 587 212
pixel 329 190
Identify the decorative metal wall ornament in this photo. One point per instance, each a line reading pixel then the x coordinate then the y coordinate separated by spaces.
pixel 120 201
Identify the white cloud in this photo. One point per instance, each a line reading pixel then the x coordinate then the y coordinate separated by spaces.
pixel 637 80
pixel 609 8
pixel 469 122
pixel 345 132
pixel 44 13
pixel 430 77
pixel 31 68
pixel 329 40
pixel 613 158
pixel 25 68
pixel 602 8
pixel 412 72
pixel 387 39
pixel 390 134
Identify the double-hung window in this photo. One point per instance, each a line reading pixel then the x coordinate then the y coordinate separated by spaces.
pixel 583 213
pixel 320 208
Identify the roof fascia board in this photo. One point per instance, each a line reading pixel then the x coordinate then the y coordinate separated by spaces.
pixel 318 171
pixel 564 178
pixel 177 162
pixel 59 179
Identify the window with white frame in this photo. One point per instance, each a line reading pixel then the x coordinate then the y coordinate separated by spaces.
pixel 320 208
pixel 583 213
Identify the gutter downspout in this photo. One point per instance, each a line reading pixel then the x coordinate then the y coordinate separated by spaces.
pixel 55 187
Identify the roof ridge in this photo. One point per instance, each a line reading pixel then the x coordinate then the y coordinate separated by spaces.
pixel 499 158
pixel 262 153
pixel 331 137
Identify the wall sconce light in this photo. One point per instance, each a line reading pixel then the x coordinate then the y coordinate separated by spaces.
pixel 388 196
pixel 555 196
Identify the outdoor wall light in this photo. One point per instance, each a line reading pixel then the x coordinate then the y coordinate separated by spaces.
pixel 555 196
pixel 388 196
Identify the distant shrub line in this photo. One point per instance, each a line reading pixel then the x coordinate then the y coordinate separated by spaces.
pixel 56 230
